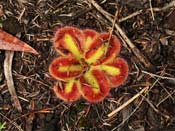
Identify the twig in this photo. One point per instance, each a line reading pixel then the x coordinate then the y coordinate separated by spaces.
pixel 166 90
pixel 151 105
pixel 9 78
pixel 13 123
pixel 113 24
pixel 30 78
pixel 112 29
pixel 144 90
pixel 158 76
pixel 21 14
pixel 134 49
pixel 128 102
pixel 155 75
pixel 155 108
pixel 169 95
pixel 22 2
pixel 137 107
pixel 151 9
pixel 164 8
pixel 169 5
pixel 130 16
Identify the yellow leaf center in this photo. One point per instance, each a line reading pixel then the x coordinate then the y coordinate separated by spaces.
pixel 69 86
pixel 98 53
pixel 70 68
pixel 92 81
pixel 111 70
pixel 72 45
pixel 88 42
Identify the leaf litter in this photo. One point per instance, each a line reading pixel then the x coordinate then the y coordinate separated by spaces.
pixel 144 25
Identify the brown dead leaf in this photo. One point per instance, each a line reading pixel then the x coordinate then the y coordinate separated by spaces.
pixel 9 78
pixel 9 42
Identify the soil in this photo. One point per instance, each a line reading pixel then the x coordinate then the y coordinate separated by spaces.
pixel 35 22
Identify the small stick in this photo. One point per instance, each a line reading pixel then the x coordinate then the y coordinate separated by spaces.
pixel 9 78
pixel 22 13
pixel 134 49
pixel 158 76
pixel 169 5
pixel 137 107
pixel 164 99
pixel 128 102
pixel 12 122
pixel 164 8
pixel 112 29
pixel 151 9
pixel 130 16
pixel 113 24
pixel 155 108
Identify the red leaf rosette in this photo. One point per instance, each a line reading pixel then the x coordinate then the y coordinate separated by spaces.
pixel 88 64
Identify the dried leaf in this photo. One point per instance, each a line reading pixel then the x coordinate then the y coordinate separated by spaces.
pixel 9 78
pixel 9 42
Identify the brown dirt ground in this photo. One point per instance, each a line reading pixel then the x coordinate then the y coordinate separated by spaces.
pixel 35 23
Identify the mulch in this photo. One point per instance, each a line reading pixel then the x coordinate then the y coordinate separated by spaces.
pixel 148 25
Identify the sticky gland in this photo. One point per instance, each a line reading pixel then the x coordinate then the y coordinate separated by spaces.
pixel 88 65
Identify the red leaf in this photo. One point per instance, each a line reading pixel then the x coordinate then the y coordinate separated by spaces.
pixel 69 41
pixel 65 68
pixel 67 91
pixel 115 77
pixel 103 50
pixel 94 86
